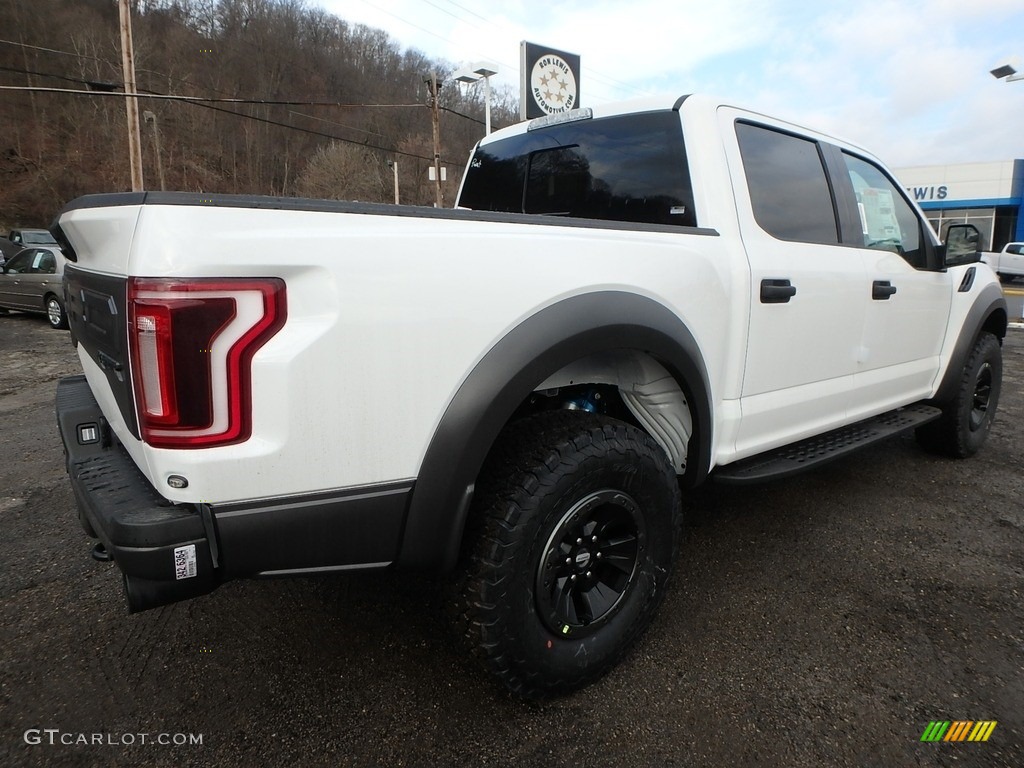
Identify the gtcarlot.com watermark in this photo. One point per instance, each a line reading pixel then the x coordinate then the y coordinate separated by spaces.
pixel 57 737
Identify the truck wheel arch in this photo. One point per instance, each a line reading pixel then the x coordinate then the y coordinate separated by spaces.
pixel 537 348
pixel 988 313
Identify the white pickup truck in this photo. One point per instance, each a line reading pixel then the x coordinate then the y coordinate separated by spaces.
pixel 628 301
pixel 1007 263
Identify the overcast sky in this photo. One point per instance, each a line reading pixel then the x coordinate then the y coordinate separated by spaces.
pixel 908 79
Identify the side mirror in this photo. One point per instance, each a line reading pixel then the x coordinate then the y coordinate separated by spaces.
pixel 962 245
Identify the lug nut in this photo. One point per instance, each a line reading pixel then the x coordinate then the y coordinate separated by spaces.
pixel 589 574
pixel 599 554
pixel 573 577
pixel 579 541
pixel 568 561
pixel 593 539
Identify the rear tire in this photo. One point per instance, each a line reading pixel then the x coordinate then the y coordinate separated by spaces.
pixel 967 418
pixel 577 521
pixel 55 314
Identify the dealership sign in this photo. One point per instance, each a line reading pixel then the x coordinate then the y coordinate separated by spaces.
pixel 927 194
pixel 550 81
pixel 974 184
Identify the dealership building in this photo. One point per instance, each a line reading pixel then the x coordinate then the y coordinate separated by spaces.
pixel 988 195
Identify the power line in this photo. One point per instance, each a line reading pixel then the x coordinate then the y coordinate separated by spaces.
pixel 331 122
pixel 18 71
pixel 117 65
pixel 407 22
pixel 207 99
pixel 598 76
pixel 112 64
pixel 54 50
pixel 468 10
pixel 220 100
pixel 201 102
pixel 444 10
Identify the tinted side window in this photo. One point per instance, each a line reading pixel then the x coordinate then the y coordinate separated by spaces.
pixel 887 221
pixel 1015 249
pixel 789 190
pixel 626 168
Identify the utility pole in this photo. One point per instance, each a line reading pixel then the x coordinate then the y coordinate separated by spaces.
pixel 435 87
pixel 150 117
pixel 393 165
pixel 131 103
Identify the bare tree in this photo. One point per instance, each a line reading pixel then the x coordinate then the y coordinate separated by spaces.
pixel 345 172
pixel 54 147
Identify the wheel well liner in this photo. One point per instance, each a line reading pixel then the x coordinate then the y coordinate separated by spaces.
pixel 533 351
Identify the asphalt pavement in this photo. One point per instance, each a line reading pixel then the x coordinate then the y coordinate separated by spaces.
pixel 824 620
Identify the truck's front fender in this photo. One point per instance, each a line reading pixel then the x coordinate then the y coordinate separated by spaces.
pixel 988 312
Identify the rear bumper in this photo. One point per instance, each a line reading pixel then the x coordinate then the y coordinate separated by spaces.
pixel 169 552
pixel 165 551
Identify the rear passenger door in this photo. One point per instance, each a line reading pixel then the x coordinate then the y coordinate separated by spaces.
pixel 808 292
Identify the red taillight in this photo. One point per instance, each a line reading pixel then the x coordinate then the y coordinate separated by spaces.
pixel 192 342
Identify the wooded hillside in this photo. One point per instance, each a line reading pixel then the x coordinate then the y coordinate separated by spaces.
pixel 57 146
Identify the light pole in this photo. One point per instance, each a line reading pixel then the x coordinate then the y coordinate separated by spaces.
pixel 474 73
pixel 1009 70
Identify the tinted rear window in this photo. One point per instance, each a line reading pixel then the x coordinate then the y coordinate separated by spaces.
pixel 627 168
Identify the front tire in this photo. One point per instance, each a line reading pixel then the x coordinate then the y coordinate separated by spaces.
pixel 55 314
pixel 577 524
pixel 967 419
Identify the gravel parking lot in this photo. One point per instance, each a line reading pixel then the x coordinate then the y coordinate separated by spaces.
pixel 822 620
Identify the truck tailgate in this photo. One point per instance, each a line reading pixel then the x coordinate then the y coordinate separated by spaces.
pixel 96 306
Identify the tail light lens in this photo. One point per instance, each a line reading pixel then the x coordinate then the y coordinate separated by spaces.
pixel 192 343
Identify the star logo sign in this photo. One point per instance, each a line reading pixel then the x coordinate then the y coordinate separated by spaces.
pixel 553 84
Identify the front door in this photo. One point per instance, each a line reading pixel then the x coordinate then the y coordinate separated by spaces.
pixel 907 315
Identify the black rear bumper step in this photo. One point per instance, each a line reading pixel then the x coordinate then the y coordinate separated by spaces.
pixel 815 451
pixel 162 548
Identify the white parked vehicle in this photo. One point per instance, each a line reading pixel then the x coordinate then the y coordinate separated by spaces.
pixel 640 297
pixel 1008 262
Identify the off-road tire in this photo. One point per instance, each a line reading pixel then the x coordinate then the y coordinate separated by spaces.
pixel 550 476
pixel 967 418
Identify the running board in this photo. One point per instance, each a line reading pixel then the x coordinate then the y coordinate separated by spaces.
pixel 815 451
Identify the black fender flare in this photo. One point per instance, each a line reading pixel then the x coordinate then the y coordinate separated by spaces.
pixel 513 368
pixel 989 312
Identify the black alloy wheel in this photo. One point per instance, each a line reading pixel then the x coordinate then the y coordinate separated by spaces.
pixel 591 561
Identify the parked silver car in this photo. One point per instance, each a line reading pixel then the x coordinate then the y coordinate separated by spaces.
pixel 31 281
